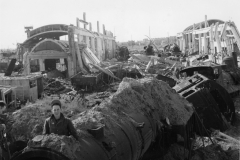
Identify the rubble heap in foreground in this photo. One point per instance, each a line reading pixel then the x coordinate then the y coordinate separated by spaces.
pixel 125 125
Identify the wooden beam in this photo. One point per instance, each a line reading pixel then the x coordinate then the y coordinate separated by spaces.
pixel 212 43
pixel 206 21
pixel 77 22
pixel 235 33
pixel 200 40
pixel 98 26
pixel 205 38
pixel 84 18
pixel 193 39
pixel 80 61
pixel 184 43
pixel 83 32
pixel 219 47
pixel 226 38
pixel 223 30
pixel 189 42
pixel 72 49
pixel 90 26
pixel 104 32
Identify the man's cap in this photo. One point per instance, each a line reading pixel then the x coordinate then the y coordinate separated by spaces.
pixel 56 102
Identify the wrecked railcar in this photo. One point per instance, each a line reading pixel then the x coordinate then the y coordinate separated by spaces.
pixel 211 101
pixel 217 84
pixel 226 76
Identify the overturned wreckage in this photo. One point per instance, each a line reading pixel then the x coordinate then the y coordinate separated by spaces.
pixel 123 127
pixel 211 89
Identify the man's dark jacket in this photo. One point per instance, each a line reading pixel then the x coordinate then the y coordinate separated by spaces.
pixel 62 126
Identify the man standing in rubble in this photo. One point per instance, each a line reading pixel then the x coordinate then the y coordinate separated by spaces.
pixel 57 123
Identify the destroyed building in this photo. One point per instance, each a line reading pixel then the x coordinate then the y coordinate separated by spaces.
pixel 46 49
pixel 211 36
pixel 134 117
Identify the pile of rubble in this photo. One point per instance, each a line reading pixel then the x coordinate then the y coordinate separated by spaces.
pixel 132 97
pixel 28 121
pixel 56 86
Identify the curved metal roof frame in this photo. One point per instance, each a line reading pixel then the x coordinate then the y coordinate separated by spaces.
pixel 51 40
pixel 202 24
pixel 48 31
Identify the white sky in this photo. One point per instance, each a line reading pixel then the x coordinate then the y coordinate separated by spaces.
pixel 127 19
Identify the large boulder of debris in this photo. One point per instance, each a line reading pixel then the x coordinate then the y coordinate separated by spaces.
pixel 136 97
pixel 133 98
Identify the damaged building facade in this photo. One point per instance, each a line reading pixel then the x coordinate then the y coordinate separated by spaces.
pixel 56 46
pixel 211 36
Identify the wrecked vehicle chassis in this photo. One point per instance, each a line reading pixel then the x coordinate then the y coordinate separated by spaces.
pixel 211 101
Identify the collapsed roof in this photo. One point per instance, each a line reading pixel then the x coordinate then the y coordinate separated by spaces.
pixel 202 24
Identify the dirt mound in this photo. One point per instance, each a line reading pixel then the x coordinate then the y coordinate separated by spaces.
pixel 137 97
pixel 133 97
pixel 154 94
pixel 28 122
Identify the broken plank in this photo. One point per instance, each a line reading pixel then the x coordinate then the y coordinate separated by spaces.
pixel 105 71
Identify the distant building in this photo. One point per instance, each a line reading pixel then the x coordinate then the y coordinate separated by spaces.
pixel 209 37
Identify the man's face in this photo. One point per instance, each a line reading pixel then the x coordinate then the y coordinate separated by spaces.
pixel 56 110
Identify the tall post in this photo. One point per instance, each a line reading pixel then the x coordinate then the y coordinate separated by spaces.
pixel 205 38
pixel 84 18
pixel 200 40
pixel 104 32
pixel 91 39
pixel 73 58
pixel 90 26
pixel 193 39
pixel 189 43
pixel 98 26
pixel 77 23
pixel 181 43
pixel 219 47
pixel 212 44
pixel 78 26
pixel 184 43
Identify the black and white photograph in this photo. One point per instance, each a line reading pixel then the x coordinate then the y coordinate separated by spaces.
pixel 119 80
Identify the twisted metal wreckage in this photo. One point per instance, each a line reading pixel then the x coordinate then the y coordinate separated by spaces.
pixel 141 112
